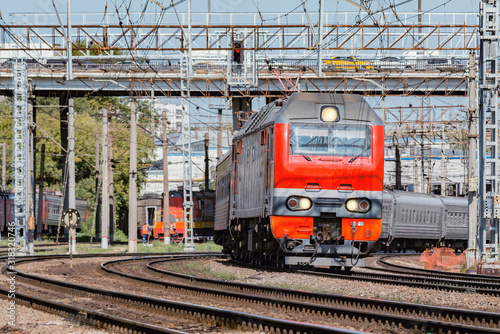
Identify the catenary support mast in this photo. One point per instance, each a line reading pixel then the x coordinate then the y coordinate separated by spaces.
pixel 132 179
pixel 472 193
pixel 186 135
pixel 20 132
pixel 489 195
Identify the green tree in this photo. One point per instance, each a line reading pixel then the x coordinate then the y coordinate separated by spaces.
pixel 88 124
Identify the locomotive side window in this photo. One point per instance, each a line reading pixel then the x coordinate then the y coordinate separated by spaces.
pixel 332 140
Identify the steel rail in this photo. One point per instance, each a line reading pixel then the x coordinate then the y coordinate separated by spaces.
pixel 88 316
pixel 377 308
pixel 220 316
pixel 428 282
pixel 418 271
pixel 437 274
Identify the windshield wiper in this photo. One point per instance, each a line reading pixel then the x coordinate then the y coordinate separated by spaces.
pixel 359 154
pixel 303 154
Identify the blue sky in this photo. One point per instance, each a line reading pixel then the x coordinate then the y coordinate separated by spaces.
pixel 247 6
pixel 45 6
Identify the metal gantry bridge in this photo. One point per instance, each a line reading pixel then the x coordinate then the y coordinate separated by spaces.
pixel 184 55
pixel 114 56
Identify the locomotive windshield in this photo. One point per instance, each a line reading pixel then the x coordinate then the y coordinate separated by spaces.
pixel 333 139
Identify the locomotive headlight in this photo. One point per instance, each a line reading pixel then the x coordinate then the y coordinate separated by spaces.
pixel 330 114
pixel 352 205
pixel 305 203
pixel 361 205
pixel 298 203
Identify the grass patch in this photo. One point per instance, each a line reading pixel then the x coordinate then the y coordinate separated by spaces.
pixel 84 236
pixel 297 286
pixel 45 240
pixel 199 269
pixel 208 247
pixel 160 247
pixel 84 249
pixel 156 247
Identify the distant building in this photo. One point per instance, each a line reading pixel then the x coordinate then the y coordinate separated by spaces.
pixel 154 174
pixel 174 115
pixel 424 177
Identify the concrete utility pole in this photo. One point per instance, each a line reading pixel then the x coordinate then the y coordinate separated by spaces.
pixel 97 207
pixel 219 136
pixel 71 167
pixel 111 186
pixel 443 163
pixel 30 179
pixel 422 164
pixel 320 38
pixel 420 17
pixel 69 45
pixel 416 185
pixel 209 16
pixel 397 156
pixel 132 190
pixel 105 182
pixel 4 163
pixel 472 194
pixel 207 160
pixel 166 196
pixel 33 132
pixel 39 223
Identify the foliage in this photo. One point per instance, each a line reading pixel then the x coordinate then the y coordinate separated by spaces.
pixel 88 120
pixel 94 49
pixel 160 247
pixel 6 134
pixel 120 236
pixel 199 268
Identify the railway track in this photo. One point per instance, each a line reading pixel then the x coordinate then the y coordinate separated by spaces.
pixel 432 280
pixel 402 315
pixel 395 268
pixel 75 313
pixel 424 281
pixel 214 316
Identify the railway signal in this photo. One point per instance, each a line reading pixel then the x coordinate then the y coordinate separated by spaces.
pixel 71 219
pixel 238 52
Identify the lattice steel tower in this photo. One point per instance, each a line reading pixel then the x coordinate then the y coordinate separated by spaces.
pixel 186 143
pixel 20 162
pixel 489 191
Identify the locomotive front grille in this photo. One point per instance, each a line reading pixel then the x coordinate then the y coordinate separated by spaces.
pixel 328 230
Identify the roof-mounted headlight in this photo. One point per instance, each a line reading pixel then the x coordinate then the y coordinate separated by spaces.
pixel 330 114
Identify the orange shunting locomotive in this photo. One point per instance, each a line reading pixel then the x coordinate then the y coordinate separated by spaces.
pixel 303 183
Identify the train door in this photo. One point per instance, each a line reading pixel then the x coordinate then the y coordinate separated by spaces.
pixel 150 215
pixel 269 177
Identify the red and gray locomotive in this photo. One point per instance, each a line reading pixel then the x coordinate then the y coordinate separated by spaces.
pixel 303 183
